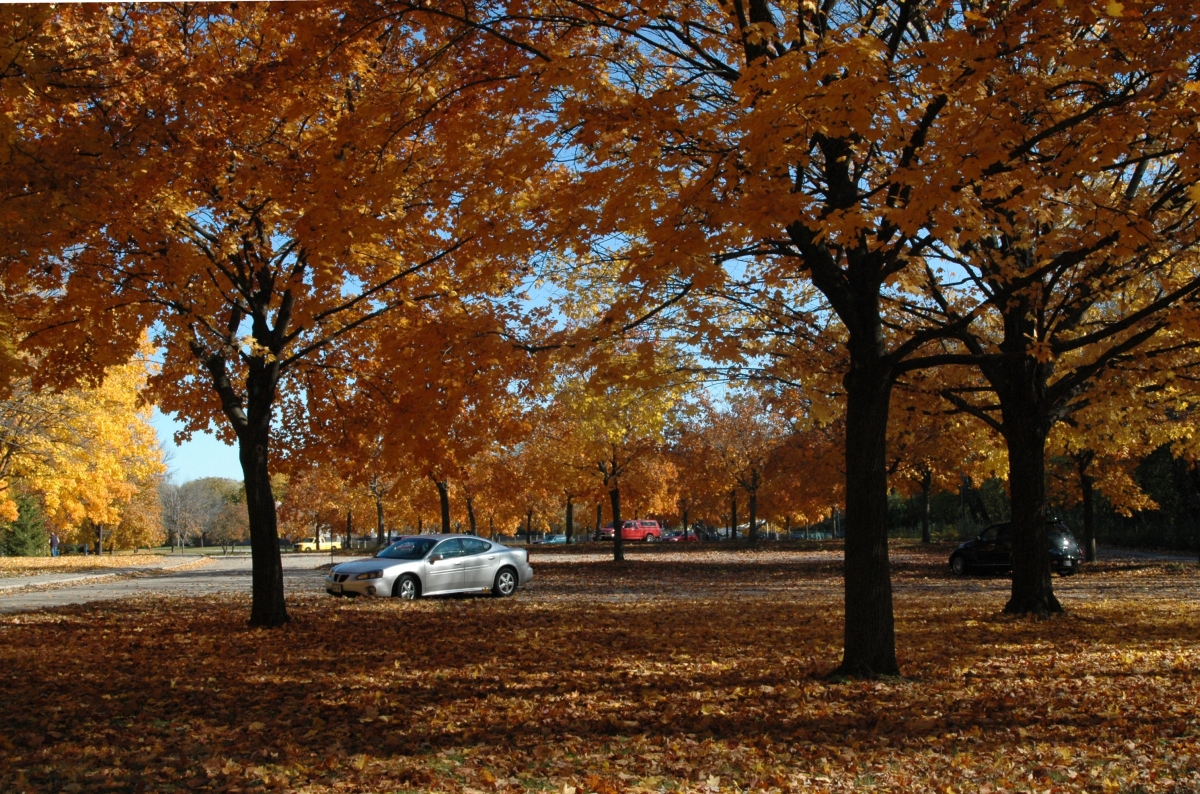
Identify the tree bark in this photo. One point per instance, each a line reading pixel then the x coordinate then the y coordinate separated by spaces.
pixel 1083 462
pixel 471 513
pixel 754 513
pixel 1032 588
pixel 870 639
pixel 443 489
pixel 614 496
pixel 267 604
pixel 685 523
pixel 599 519
pixel 379 527
pixel 529 527
pixel 570 518
pixel 733 524
pixel 926 487
pixel 349 526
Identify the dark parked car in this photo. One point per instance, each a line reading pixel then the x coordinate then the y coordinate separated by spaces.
pixel 992 550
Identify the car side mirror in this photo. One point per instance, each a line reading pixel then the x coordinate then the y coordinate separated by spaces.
pixel 436 557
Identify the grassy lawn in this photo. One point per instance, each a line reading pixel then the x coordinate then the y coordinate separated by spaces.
pixel 696 670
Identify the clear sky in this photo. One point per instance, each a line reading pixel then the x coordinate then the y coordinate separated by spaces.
pixel 203 456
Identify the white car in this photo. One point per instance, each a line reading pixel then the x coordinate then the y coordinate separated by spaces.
pixel 422 565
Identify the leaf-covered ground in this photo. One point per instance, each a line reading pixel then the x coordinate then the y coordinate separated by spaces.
pixel 29 566
pixel 698 672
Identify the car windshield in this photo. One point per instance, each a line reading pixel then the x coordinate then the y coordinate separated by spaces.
pixel 413 549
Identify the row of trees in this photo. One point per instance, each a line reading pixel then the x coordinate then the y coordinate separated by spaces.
pixel 382 233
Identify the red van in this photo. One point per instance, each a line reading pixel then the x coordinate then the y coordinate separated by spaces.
pixel 647 531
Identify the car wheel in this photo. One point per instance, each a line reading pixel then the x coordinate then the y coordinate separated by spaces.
pixel 958 564
pixel 506 583
pixel 406 587
pixel 649 538
pixel 1066 571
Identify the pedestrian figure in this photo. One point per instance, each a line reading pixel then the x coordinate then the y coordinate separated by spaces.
pixel 53 544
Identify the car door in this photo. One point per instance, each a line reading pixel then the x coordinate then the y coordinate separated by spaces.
pixel 445 574
pixel 984 549
pixel 479 566
pixel 1003 549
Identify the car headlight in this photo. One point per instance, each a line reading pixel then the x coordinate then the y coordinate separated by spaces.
pixel 370 575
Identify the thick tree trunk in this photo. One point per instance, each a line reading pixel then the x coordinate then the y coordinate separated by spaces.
pixel 1032 589
pixel 870 640
pixel 349 526
pixel 99 539
pixel 926 487
pixel 443 489
pixel 614 496
pixel 599 520
pixel 267 605
pixel 1088 498
pixel 570 519
pixel 379 527
pixel 685 523
pixel 471 513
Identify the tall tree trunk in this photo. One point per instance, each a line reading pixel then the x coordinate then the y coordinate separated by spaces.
pixel 349 526
pixel 251 422
pixel 754 513
pixel 420 525
pixel 599 519
pixel 99 539
pixel 443 489
pixel 733 524
pixel 685 522
pixel 267 605
pixel 926 487
pixel 1083 462
pixel 870 638
pixel 529 527
pixel 379 527
pixel 614 496
pixel 570 518
pixel 471 513
pixel 1032 588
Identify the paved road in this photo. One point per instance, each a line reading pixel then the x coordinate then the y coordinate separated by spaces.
pixel 220 575
pixel 302 575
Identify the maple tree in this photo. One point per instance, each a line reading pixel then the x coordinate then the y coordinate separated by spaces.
pixel 283 183
pixel 622 408
pixel 853 147
pixel 90 455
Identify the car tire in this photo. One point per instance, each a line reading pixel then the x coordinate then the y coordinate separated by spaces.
pixel 407 588
pixel 958 564
pixel 505 584
pixel 1066 571
pixel 649 538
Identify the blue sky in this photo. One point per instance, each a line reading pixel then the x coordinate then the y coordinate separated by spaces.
pixel 203 456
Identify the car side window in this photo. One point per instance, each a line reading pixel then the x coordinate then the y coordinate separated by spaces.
pixel 475 546
pixel 988 534
pixel 450 548
pixel 1004 536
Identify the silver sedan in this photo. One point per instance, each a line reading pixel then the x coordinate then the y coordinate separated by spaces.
pixel 423 565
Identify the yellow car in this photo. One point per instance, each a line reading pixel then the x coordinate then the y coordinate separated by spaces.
pixel 310 544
